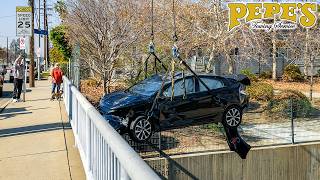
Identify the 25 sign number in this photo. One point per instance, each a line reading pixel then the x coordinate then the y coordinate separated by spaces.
pixel 26 24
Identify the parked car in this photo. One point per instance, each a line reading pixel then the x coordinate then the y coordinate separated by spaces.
pixel 1 84
pixel 3 72
pixel 128 111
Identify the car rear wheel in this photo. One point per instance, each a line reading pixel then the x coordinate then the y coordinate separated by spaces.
pixel 233 116
pixel 141 129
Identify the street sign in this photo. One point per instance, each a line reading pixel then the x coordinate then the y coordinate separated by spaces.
pixel 23 21
pixel 22 43
pixel 39 31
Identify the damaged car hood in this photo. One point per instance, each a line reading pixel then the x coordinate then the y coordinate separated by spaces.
pixel 120 99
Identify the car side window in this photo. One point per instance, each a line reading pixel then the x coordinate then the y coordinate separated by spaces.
pixel 178 88
pixel 211 83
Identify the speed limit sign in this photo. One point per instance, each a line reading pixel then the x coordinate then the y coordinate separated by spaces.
pixel 24 19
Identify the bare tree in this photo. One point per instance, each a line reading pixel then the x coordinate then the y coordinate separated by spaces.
pixel 104 29
pixel 116 33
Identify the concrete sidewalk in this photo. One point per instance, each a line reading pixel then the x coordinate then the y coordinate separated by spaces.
pixel 36 141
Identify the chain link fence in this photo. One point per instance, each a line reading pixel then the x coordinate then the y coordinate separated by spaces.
pixel 287 120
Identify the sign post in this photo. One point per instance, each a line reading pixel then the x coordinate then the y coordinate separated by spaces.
pixel 38 63
pixel 22 44
pixel 23 29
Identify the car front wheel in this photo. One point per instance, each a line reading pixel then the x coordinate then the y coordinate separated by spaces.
pixel 232 116
pixel 141 129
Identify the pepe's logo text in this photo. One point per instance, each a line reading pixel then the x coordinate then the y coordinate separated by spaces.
pixel 286 15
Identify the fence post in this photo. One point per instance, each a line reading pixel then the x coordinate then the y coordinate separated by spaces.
pixel 88 139
pixel 76 118
pixel 70 101
pixel 292 125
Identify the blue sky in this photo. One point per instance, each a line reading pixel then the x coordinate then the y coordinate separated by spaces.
pixel 8 18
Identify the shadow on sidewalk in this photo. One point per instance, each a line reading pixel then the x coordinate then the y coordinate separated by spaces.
pixel 11 112
pixel 34 129
pixel 38 99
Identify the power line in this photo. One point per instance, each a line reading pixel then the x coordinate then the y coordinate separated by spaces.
pixel 8 35
pixel 2 17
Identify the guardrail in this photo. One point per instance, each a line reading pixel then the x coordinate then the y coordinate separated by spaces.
pixel 104 153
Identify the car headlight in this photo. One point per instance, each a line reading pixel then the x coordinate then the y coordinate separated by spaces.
pixel 125 121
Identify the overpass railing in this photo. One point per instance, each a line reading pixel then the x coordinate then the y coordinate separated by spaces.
pixel 104 153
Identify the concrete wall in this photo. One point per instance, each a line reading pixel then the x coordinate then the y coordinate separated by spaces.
pixel 290 162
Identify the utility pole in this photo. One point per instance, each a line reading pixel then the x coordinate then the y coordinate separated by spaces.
pixel 31 50
pixel 7 51
pixel 39 42
pixel 45 42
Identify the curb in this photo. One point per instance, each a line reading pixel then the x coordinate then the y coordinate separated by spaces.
pixel 2 107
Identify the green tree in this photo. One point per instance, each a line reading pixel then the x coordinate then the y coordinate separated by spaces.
pixel 56 55
pixel 60 42
pixel 61 8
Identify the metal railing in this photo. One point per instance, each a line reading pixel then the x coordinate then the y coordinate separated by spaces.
pixel 104 153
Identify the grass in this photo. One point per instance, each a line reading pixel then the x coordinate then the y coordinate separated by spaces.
pixel 45 74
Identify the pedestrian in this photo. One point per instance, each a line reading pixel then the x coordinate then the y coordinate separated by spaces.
pixel 18 78
pixel 56 74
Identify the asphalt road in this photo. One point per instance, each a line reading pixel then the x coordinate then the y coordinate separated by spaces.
pixel 7 91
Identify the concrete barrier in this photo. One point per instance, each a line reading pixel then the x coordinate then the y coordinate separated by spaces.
pixel 288 162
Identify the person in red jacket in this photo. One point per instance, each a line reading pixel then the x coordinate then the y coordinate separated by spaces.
pixel 56 75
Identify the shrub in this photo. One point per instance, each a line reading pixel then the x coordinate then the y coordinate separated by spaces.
pixel 266 75
pixel 213 127
pixel 64 67
pixel 260 91
pixel 292 73
pixel 250 75
pixel 281 104
pixel 45 74
pixel 90 82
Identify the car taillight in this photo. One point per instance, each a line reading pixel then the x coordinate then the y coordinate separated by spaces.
pixel 242 89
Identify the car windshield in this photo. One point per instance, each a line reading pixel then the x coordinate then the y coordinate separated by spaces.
pixel 147 87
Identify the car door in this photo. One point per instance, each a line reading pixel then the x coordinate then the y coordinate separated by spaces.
pixel 209 103
pixel 180 110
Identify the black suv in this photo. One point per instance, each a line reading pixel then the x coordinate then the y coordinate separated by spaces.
pixel 190 103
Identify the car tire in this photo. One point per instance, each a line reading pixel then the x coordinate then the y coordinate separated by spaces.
pixel 232 116
pixel 141 129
